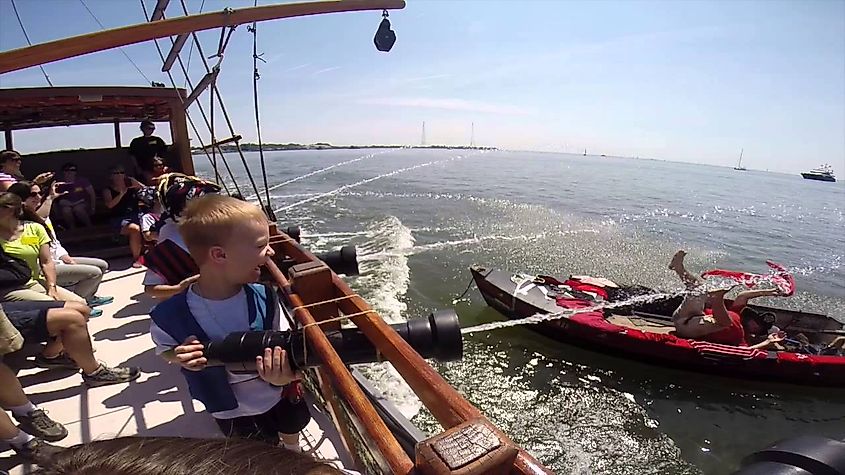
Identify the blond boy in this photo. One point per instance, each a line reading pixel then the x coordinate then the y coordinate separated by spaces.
pixel 229 240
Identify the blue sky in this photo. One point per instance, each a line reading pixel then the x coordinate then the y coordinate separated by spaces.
pixel 687 81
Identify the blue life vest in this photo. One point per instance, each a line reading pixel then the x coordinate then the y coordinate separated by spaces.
pixel 211 385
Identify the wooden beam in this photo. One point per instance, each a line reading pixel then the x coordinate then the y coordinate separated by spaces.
pixel 201 86
pixel 174 52
pixel 181 148
pixel 235 138
pixel 7 134
pixel 349 390
pixel 158 11
pixel 117 143
pixel 107 39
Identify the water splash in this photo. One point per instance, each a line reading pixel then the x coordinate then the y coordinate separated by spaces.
pixel 369 180
pixel 409 251
pixel 385 286
pixel 547 317
pixel 710 284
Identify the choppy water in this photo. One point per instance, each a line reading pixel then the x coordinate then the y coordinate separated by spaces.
pixel 580 412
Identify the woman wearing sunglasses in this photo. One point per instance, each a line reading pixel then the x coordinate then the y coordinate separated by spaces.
pixel 23 234
pixel 122 199
pixel 81 275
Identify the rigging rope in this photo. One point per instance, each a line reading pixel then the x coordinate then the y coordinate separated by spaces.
pixel 255 77
pixel 187 115
pixel 216 92
pixel 102 27
pixel 191 49
pixel 25 35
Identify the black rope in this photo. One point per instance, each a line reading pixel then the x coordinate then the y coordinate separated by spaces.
pixel 182 100
pixel 255 77
pixel 25 35
pixel 103 27
pixel 469 286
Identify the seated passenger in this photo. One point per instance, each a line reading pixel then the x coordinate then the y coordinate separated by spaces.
pixel 77 200
pixel 29 240
pixel 175 190
pixel 120 197
pixel 152 177
pixel 63 327
pixel 150 209
pixel 81 275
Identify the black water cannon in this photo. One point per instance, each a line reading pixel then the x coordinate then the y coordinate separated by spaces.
pixel 292 231
pixel 438 336
pixel 385 37
pixel 803 455
pixel 342 261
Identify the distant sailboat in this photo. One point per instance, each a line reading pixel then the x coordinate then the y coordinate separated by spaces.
pixel 739 164
pixel 585 152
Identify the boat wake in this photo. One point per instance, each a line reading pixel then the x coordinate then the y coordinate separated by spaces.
pixel 323 170
pixel 343 188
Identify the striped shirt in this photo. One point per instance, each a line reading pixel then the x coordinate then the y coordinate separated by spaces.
pixel 6 178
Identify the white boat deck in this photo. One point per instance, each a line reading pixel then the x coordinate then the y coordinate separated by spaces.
pixel 156 404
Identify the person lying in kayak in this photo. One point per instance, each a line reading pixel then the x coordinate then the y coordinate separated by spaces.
pixel 704 315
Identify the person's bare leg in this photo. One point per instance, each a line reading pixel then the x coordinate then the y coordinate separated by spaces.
pixel 55 347
pixel 677 265
pixel 11 392
pixel 720 311
pixel 838 343
pixel 742 298
pixel 133 231
pixel 79 307
pixel 72 327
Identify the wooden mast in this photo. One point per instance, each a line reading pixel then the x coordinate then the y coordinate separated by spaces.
pixel 107 39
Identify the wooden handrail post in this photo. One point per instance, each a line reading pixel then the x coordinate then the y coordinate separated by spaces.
pixel 345 383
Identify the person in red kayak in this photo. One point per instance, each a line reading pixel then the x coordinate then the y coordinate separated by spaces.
pixel 704 315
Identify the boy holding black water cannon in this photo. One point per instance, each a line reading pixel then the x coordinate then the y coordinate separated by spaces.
pixel 229 240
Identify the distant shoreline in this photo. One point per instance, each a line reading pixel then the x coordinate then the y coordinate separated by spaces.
pixel 275 147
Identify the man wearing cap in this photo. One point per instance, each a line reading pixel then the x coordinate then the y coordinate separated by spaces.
pixel 147 147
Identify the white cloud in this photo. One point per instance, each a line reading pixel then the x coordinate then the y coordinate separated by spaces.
pixel 446 104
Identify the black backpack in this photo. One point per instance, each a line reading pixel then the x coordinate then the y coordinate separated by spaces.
pixel 14 272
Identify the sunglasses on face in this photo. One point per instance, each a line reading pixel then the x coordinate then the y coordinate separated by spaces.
pixel 118 173
pixel 70 169
pixel 34 194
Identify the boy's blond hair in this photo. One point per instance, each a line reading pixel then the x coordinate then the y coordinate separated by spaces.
pixel 210 220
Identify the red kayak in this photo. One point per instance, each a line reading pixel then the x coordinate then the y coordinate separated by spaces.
pixel 645 331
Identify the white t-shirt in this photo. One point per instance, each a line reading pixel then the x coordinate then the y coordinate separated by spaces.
pixel 148 220
pixel 57 251
pixel 170 231
pixel 218 318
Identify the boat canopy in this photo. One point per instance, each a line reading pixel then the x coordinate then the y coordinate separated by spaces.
pixel 36 107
